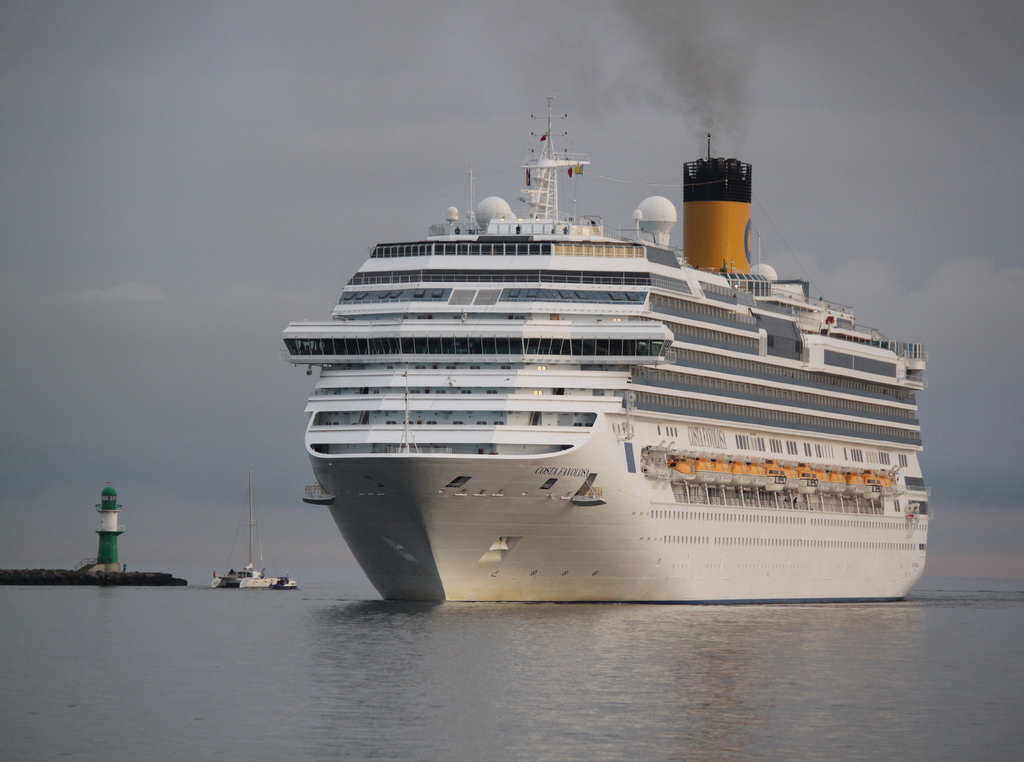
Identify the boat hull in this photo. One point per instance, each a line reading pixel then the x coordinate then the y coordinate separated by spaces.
pixel 417 538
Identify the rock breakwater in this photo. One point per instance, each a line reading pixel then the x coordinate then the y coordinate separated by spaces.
pixel 69 577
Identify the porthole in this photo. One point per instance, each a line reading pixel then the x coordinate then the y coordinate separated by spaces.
pixel 534 572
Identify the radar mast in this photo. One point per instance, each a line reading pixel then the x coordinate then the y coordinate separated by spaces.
pixel 541 191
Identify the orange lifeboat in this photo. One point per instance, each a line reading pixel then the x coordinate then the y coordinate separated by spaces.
pixel 723 474
pixel 792 480
pixel 703 471
pixel 776 476
pixel 740 475
pixel 855 483
pixel 758 475
pixel 681 469
pixel 807 481
pixel 833 482
pixel 874 484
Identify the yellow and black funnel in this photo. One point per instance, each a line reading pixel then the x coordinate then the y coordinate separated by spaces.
pixel 716 214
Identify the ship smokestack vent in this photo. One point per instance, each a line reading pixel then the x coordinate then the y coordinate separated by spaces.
pixel 717 180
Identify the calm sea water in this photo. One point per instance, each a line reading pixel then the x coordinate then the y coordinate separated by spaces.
pixel 327 673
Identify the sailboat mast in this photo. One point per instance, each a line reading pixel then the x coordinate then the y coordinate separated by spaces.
pixel 250 517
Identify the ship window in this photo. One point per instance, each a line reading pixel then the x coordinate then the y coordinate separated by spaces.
pixel 458 481
pixel 791 448
pixel 903 460
pixel 548 484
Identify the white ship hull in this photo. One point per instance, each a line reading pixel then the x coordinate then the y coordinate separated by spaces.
pixel 417 539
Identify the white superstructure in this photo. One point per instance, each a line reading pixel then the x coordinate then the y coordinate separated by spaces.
pixel 521 407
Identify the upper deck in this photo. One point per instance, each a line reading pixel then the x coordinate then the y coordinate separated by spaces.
pixel 500 280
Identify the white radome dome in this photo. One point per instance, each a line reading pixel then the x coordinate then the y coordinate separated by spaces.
pixel 451 214
pixel 764 270
pixel 658 215
pixel 492 208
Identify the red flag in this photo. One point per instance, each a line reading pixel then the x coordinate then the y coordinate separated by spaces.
pixel 544 136
pixel 570 171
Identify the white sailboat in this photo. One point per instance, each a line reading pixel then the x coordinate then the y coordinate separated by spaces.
pixel 248 578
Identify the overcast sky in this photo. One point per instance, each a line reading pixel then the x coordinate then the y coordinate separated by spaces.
pixel 180 180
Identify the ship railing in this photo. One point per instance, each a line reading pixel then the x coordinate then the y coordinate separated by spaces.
pixel 316 490
pixel 83 564
pixel 814 302
pixel 816 503
pixel 907 350
pixel 418 449
pixel 782 309
pixel 809 322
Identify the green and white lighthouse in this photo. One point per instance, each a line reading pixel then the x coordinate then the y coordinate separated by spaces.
pixel 106 557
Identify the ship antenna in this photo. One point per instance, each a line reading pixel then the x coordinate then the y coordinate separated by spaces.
pixel 471 217
pixel 542 172
pixel 709 146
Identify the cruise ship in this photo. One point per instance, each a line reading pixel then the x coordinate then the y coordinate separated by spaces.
pixel 529 406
